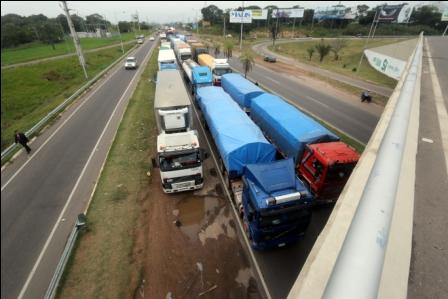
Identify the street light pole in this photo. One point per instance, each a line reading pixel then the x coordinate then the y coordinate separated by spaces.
pixel 82 61
pixel 241 34
pixel 119 33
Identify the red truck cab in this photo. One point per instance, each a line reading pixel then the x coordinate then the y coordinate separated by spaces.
pixel 326 167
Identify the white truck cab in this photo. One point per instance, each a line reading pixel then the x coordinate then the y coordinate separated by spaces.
pixel 180 161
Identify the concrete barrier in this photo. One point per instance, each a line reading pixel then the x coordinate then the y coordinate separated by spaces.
pixel 319 277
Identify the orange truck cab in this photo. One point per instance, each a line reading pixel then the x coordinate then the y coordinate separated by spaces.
pixel 326 168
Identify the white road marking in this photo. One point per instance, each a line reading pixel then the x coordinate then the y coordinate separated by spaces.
pixel 57 130
pixel 50 237
pixel 427 140
pixel 229 197
pixel 317 102
pixel 442 114
pixel 270 79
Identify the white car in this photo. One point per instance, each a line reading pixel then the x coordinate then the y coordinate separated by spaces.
pixel 151 38
pixel 140 41
pixel 130 63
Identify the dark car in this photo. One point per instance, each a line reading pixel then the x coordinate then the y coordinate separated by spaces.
pixel 270 59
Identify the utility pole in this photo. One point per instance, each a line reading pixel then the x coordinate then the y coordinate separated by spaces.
pixel 293 27
pixel 277 16
pixel 138 21
pixel 367 40
pixel 82 61
pixel 224 31
pixel 119 33
pixel 444 32
pixel 241 34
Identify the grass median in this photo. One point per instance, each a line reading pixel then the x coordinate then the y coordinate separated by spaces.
pixel 102 264
pixel 346 64
pixel 37 50
pixel 30 92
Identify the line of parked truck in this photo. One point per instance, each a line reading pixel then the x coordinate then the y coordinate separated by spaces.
pixel 277 161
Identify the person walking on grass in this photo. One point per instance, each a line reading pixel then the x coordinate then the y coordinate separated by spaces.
pixel 22 139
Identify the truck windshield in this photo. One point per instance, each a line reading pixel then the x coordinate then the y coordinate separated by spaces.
pixel 180 161
pixel 339 172
pixel 185 56
pixel 282 216
pixel 223 71
pixel 167 62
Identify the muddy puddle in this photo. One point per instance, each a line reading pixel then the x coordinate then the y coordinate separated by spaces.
pixel 204 217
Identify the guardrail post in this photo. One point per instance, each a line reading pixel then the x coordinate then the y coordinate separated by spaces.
pixel 52 288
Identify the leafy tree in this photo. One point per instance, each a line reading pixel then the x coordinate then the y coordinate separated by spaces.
pixel 427 15
pixel 367 18
pixel 97 21
pixel 323 50
pixel 337 45
pixel 62 20
pixel 248 61
pixel 217 47
pixel 308 15
pixel 362 9
pixel 310 51
pixel 228 47
pixel 124 26
pixel 212 14
pixel 50 33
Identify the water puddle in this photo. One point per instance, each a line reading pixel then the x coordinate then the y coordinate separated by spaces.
pixel 194 212
pixel 222 225
pixel 243 277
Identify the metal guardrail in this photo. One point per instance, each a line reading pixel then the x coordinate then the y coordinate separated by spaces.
pixel 358 269
pixel 53 287
pixel 61 106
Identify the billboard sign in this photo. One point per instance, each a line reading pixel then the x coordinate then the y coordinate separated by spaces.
pixel 405 14
pixel 390 13
pixel 390 66
pixel 259 14
pixel 445 15
pixel 338 12
pixel 240 16
pixel 288 13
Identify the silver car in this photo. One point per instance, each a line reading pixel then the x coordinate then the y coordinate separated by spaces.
pixel 130 63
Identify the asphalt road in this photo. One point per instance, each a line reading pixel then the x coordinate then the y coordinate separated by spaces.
pixel 262 48
pixel 353 118
pixel 42 193
pixel 429 261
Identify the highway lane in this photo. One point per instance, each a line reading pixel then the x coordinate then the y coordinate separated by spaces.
pixel 429 263
pixel 34 196
pixel 347 117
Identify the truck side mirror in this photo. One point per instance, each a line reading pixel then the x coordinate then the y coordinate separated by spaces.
pixel 204 154
pixel 154 162
pixel 250 216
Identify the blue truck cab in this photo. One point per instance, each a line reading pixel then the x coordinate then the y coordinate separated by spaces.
pixel 276 204
pixel 202 77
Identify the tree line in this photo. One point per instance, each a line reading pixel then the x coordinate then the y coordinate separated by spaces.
pixel 425 15
pixel 18 30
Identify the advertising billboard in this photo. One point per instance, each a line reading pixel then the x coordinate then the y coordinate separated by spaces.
pixel 288 13
pixel 240 16
pixel 395 13
pixel 259 14
pixel 445 15
pixel 338 12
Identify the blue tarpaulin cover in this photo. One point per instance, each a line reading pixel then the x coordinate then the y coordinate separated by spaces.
pixel 202 74
pixel 288 128
pixel 238 139
pixel 240 89
pixel 168 66
pixel 273 179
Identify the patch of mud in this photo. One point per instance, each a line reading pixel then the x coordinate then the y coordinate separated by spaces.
pixel 243 277
pixel 223 225
pixel 193 213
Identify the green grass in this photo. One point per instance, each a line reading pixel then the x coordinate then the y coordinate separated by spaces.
pixel 349 59
pixel 102 264
pixel 35 51
pixel 31 92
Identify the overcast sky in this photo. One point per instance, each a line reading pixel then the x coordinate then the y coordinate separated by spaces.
pixel 154 11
